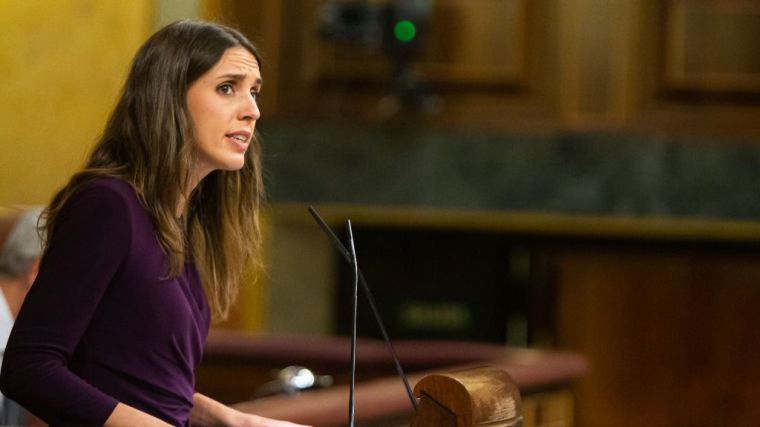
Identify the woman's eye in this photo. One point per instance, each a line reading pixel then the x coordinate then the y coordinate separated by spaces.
pixel 255 95
pixel 225 89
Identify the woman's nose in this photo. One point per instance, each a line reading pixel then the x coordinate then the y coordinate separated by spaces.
pixel 250 109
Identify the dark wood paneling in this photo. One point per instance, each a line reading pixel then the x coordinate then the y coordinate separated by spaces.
pixel 685 66
pixel 671 336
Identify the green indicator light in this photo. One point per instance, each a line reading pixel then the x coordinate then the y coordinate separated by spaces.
pixel 405 31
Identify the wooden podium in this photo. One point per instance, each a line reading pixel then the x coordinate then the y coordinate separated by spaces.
pixel 483 396
pixel 235 363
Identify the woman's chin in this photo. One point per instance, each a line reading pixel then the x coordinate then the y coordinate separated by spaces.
pixel 233 165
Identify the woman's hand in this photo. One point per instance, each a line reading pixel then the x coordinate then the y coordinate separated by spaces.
pixel 208 412
pixel 242 419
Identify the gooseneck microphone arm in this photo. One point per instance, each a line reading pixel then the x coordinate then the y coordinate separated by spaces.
pixel 347 255
pixel 355 304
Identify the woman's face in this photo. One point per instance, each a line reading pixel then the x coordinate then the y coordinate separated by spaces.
pixel 223 108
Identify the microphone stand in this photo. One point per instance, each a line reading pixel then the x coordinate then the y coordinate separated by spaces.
pixel 355 268
pixel 345 253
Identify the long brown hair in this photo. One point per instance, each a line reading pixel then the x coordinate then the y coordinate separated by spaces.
pixel 148 142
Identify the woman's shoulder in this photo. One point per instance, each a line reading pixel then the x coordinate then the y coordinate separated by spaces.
pixel 109 184
pixel 107 204
pixel 108 187
pixel 105 195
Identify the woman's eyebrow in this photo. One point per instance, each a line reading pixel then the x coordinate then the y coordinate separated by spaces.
pixel 237 78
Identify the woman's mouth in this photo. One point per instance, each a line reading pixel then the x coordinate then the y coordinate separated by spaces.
pixel 239 140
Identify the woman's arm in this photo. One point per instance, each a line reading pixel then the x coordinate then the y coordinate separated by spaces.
pixel 91 238
pixel 207 412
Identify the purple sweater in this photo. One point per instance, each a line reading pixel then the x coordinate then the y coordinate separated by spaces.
pixel 103 323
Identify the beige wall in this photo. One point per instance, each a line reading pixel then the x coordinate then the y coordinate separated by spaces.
pixel 62 63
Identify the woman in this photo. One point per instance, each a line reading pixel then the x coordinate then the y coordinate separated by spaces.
pixel 116 321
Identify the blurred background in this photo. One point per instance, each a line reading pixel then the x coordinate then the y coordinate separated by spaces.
pixel 552 174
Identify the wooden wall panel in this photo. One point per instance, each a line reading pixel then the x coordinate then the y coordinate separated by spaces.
pixel 696 68
pixel 486 62
pixel 671 336
pixel 598 68
pixel 712 46
pixel 481 42
pixel 684 66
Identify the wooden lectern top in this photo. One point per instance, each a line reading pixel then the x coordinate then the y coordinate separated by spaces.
pixel 482 396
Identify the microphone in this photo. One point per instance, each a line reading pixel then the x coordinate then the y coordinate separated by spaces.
pixel 355 268
pixel 357 272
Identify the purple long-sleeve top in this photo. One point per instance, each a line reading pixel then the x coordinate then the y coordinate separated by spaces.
pixel 104 322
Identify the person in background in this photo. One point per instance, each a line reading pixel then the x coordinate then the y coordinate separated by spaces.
pixel 20 251
pixel 146 242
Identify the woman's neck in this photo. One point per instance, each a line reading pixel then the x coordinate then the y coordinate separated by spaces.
pixel 195 178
